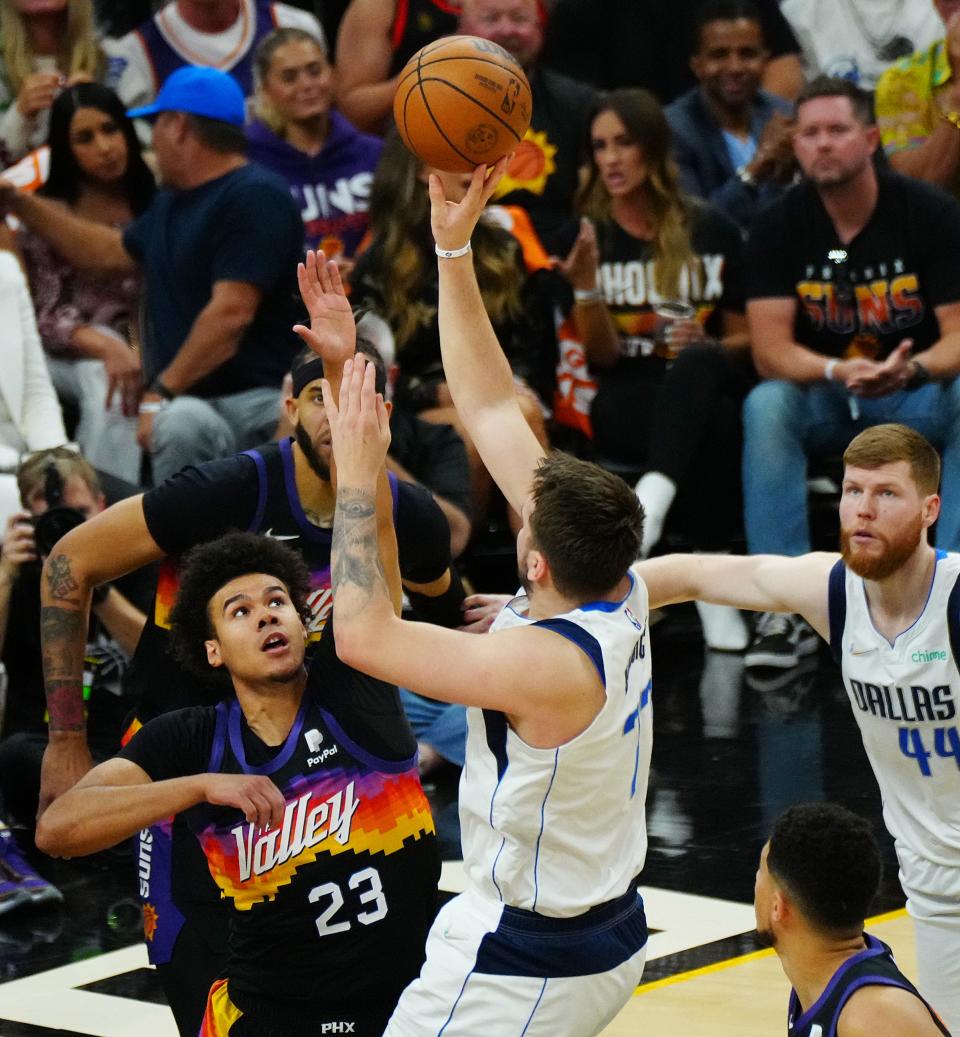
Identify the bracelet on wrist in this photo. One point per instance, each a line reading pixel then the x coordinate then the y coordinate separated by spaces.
pixel 452 253
pixel 587 295
pixel 157 386
pixel 919 376
pixel 828 368
pixel 153 406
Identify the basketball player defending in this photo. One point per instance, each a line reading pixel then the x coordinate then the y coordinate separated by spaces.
pixel 302 790
pixel 817 877
pixel 889 607
pixel 549 938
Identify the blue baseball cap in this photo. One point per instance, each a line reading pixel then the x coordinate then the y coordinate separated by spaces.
pixel 198 90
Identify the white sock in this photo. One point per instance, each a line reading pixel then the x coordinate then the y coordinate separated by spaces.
pixel 655 493
pixel 723 627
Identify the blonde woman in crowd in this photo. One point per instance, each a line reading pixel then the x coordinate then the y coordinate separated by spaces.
pixel 45 45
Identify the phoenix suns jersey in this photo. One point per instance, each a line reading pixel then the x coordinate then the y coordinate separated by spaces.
pixel 874 966
pixel 255 491
pixel 559 831
pixel 334 904
pixel 905 697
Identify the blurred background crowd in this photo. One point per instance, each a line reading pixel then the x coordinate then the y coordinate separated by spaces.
pixel 729 241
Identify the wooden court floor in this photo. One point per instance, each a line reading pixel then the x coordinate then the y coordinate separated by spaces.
pixel 741 997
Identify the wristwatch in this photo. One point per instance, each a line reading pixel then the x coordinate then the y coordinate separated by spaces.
pixel 918 376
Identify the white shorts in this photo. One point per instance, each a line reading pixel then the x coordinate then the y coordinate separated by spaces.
pixel 493 970
pixel 933 901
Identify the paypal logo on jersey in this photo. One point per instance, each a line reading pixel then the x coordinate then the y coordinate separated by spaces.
pixel 313 738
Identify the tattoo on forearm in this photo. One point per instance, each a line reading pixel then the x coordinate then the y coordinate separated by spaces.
pixel 59 578
pixel 63 635
pixel 65 705
pixel 356 552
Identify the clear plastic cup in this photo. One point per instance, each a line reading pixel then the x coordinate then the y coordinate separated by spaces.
pixel 668 313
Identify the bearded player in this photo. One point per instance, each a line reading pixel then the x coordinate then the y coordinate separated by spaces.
pixel 302 791
pixel 889 608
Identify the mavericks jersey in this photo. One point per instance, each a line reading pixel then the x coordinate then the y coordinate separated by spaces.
pixel 872 967
pixel 905 697
pixel 558 831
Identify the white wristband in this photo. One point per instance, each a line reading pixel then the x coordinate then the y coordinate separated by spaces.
pixel 828 368
pixel 153 406
pixel 451 253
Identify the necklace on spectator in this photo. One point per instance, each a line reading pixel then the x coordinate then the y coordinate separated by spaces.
pixel 886 44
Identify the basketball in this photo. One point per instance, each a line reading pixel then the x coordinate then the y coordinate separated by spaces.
pixel 462 102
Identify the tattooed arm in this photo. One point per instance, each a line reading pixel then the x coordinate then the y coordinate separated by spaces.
pixel 107 546
pixel 364 564
pixel 546 685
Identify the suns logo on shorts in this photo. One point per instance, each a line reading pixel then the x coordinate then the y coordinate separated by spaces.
pixel 150 919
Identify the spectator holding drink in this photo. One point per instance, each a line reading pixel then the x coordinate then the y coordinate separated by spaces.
pixel 658 293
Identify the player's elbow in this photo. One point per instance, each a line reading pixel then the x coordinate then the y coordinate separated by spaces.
pixel 54 834
pixel 352 643
pixel 765 366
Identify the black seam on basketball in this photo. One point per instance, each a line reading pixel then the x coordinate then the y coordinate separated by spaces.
pixel 421 64
pixel 433 119
pixel 468 57
pixel 406 101
pixel 460 90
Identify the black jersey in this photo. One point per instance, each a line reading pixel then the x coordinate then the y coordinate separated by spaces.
pixel 417 23
pixel 873 966
pixel 256 491
pixel 860 298
pixel 332 908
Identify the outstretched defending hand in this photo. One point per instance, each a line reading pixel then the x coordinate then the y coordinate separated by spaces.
pixel 332 333
pixel 453 222
pixel 359 424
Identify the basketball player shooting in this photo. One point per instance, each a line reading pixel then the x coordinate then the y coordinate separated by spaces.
pixel 549 937
pixel 889 607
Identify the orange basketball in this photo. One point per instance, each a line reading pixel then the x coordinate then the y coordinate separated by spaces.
pixel 462 102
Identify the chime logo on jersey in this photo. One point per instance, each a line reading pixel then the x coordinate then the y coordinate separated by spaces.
pixel 304 826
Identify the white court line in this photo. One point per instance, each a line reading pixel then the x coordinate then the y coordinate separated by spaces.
pixel 52 999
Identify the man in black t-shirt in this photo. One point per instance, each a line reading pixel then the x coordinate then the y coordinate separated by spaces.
pixel 302 791
pixel 218 247
pixel 854 311
pixel 543 174
pixel 818 876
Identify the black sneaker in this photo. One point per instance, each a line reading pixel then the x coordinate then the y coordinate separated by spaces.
pixel 781 640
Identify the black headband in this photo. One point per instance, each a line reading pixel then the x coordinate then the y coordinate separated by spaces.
pixel 307 373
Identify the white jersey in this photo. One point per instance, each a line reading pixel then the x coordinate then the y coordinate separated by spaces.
pixel 135 73
pixel 558 831
pixel 905 697
pixel 859 39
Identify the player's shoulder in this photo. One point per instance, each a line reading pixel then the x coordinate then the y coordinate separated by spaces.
pixel 877 1010
pixel 818 561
